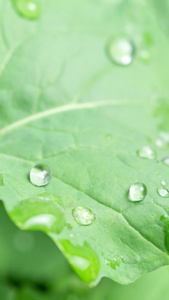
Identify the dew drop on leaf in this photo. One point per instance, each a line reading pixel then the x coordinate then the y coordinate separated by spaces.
pixel 114 262
pixel 163 192
pixel 166 161
pixel 28 8
pixel 137 192
pixel 121 51
pixel 40 175
pixel 42 212
pixel 83 215
pixel 1 179
pixel 147 152
pixel 144 55
pixel 163 182
pixel 83 260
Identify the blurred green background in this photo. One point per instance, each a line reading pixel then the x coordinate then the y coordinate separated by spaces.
pixel 32 268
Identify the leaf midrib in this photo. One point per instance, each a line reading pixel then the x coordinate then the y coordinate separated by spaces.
pixel 59 109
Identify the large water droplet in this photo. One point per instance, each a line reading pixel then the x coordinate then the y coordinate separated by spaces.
pixel 163 192
pixel 40 175
pixel 166 161
pixel 121 51
pixel 1 179
pixel 83 215
pixel 83 260
pixel 137 192
pixel 147 152
pixel 28 8
pixel 42 212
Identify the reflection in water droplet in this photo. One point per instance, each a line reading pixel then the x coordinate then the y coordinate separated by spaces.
pixel 28 8
pixel 83 215
pixel 114 262
pixel 1 179
pixel 121 51
pixel 40 175
pixel 163 192
pixel 44 220
pixel 42 212
pixel 83 260
pixel 166 161
pixel 137 192
pixel 24 241
pixel 147 152
pixel 163 182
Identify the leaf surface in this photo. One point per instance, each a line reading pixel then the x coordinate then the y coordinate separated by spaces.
pixel 64 103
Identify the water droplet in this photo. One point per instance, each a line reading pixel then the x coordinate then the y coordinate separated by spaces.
pixel 83 260
pixel 166 161
pixel 159 142
pixel 121 51
pixel 147 152
pixel 144 55
pixel 40 175
pixel 42 212
pixel 1 179
pixel 163 182
pixel 108 136
pixel 83 215
pixel 28 8
pixel 114 262
pixel 137 192
pixel 163 192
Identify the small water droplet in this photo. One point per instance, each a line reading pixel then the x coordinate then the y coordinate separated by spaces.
pixel 159 142
pixel 121 51
pixel 163 182
pixel 147 152
pixel 114 262
pixel 137 192
pixel 163 192
pixel 83 215
pixel 40 175
pixel 28 8
pixel 108 136
pixel 1 179
pixel 83 260
pixel 144 55
pixel 166 161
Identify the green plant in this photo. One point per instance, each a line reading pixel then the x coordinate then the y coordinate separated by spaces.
pixel 68 101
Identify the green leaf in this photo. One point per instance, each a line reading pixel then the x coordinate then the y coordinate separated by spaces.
pixel 64 103
pixel 23 276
